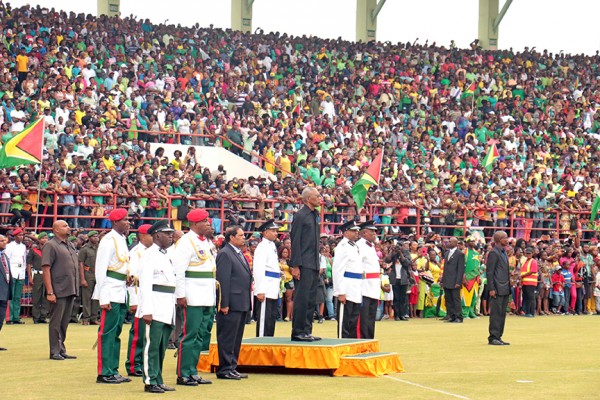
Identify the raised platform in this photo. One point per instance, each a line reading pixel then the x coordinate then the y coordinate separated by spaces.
pixel 338 357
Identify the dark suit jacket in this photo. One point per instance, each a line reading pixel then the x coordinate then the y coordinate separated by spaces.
pixel 235 279
pixel 454 269
pixel 305 239
pixel 497 272
pixel 5 286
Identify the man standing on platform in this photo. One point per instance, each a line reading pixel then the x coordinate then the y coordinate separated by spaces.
pixel 16 251
pixel 470 286
pixel 235 280
pixel 195 271
pixel 137 332
pixel 304 265
pixel 39 304
pixel 452 279
pixel 371 284
pixel 347 280
pixel 267 278
pixel 157 305
pixel 112 275
pixel 87 265
pixel 498 281
pixel 61 277
pixel 6 282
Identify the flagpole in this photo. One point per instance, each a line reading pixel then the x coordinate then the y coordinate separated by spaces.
pixel 37 213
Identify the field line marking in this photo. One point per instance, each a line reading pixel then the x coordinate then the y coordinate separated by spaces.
pixel 458 396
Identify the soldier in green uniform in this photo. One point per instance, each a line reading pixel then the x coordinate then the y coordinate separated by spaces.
pixel 39 306
pixel 87 263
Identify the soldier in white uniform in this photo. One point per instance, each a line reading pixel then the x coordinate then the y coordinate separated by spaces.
pixel 112 275
pixel 157 305
pixel 16 251
pixel 135 346
pixel 371 285
pixel 267 278
pixel 195 269
pixel 347 280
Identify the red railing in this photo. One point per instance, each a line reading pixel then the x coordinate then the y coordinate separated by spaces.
pixel 395 219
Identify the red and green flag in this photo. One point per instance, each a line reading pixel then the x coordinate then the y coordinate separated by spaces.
pixel 25 147
pixel 491 156
pixel 370 177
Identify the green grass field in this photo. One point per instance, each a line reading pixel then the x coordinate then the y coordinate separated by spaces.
pixel 549 357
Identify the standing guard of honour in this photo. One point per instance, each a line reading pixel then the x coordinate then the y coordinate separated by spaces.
pixel 195 269
pixel 137 332
pixel 112 275
pixel 157 305
pixel 347 280
pixel 371 284
pixel 267 278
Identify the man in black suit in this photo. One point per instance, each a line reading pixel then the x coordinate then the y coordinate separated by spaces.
pixel 5 282
pixel 304 265
pixel 498 282
pixel 454 270
pixel 235 279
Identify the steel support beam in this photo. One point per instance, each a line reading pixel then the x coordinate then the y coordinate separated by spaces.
pixel 489 22
pixel 366 19
pixel 109 7
pixel 241 15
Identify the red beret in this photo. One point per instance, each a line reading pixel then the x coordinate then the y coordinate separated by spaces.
pixel 197 215
pixel 17 231
pixel 144 228
pixel 117 214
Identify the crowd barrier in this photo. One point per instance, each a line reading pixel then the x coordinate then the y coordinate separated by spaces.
pixel 396 219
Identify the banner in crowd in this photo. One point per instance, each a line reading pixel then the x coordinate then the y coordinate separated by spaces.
pixel 25 147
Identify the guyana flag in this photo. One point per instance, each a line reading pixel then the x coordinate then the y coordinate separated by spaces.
pixel 370 177
pixel 25 147
pixel 595 208
pixel 491 156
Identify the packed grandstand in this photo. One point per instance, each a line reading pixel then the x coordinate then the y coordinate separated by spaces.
pixel 310 111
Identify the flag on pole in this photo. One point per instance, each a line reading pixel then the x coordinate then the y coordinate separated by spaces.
pixel 370 177
pixel 25 147
pixel 491 156
pixel 595 208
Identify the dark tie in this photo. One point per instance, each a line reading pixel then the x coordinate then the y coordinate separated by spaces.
pixel 5 265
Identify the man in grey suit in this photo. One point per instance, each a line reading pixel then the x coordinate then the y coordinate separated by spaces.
pixel 6 282
pixel 454 270
pixel 498 281
pixel 235 280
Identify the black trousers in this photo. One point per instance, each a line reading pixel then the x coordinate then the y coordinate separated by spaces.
pixel 230 330
pixel 39 304
pixel 368 312
pixel 60 314
pixel 400 300
pixel 529 299
pixel 497 316
pixel 305 300
pixel 3 305
pixel 453 306
pixel 266 316
pixel 347 320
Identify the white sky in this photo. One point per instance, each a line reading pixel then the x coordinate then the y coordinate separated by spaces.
pixel 569 25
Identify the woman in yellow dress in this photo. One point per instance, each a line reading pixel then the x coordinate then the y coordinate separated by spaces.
pixel 269 155
pixel 288 281
pixel 285 164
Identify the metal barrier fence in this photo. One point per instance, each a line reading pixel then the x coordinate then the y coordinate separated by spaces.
pixel 91 211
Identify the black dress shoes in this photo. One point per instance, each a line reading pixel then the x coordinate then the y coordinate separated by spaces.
pixel 315 338
pixel 303 338
pixel 136 373
pixel 3 349
pixel 19 322
pixel 153 389
pixel 240 374
pixel 186 381
pixel 457 321
pixel 200 380
pixel 122 378
pixel 112 379
pixel 495 342
pixel 166 388
pixel 504 343
pixel 68 357
pixel 56 357
pixel 230 376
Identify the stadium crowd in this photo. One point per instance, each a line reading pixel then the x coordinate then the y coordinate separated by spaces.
pixel 312 112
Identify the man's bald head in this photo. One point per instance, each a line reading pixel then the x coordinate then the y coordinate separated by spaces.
pixel 61 229
pixel 499 237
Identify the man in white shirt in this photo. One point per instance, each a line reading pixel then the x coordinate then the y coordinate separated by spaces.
pixel 16 253
pixel 18 118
